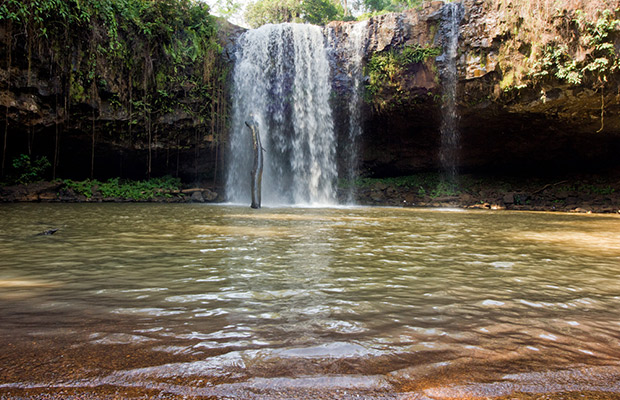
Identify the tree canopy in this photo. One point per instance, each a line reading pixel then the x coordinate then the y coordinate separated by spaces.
pixel 317 12
pixel 278 11
pixel 390 5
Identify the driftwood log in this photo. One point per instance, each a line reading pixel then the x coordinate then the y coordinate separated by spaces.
pixel 257 167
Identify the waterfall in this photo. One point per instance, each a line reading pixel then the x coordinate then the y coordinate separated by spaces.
pixel 450 137
pixel 355 49
pixel 282 79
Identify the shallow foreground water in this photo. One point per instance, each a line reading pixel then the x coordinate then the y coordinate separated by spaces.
pixel 229 302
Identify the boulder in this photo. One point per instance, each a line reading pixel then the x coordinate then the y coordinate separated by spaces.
pixel 509 198
pixel 377 196
pixel 209 195
pixel 197 197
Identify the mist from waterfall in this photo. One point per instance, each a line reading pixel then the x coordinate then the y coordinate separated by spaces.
pixel 450 136
pixel 282 79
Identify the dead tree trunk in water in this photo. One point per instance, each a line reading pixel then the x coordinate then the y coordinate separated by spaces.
pixel 257 168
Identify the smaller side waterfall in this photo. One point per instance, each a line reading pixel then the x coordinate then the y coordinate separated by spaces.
pixel 355 49
pixel 450 137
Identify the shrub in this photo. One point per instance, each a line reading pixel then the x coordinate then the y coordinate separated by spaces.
pixel 27 170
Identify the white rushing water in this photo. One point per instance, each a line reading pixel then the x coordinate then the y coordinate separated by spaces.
pixel 281 78
pixel 450 137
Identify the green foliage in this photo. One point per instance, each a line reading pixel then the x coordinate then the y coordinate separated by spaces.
pixel 416 54
pixel 598 34
pixel 163 52
pixel 27 170
pixel 588 188
pixel 558 60
pixel 387 73
pixel 227 8
pixel 320 12
pixel 445 188
pixel 264 12
pixel 317 12
pixel 123 189
pixel 84 188
pixel 431 184
pixel 378 6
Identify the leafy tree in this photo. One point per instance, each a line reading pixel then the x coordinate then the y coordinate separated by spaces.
pixel 317 12
pixel 272 12
pixel 320 12
pixel 227 8
pixel 376 5
pixel 390 5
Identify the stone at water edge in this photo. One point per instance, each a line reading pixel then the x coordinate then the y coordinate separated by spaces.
pixel 203 193
pixel 509 198
pixel 197 198
pixel 209 195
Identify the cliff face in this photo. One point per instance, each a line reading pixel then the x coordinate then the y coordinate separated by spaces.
pixel 532 92
pixel 537 91
pixel 114 89
pixel 538 88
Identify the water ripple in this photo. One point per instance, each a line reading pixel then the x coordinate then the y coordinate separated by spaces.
pixel 284 292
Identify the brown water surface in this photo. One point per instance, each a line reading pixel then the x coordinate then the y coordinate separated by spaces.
pixel 228 302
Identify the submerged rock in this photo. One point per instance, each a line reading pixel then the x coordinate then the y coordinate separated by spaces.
pixel 48 232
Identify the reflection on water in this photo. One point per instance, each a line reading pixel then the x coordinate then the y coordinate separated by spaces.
pixel 226 301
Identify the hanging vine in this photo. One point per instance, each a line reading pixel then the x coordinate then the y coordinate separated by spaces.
pixel 148 59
